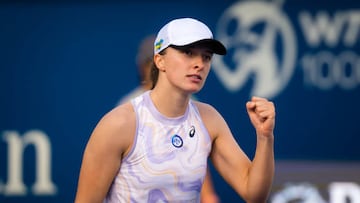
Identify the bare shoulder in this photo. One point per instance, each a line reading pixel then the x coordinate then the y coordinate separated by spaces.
pixel 116 129
pixel 211 117
pixel 122 115
pixel 207 111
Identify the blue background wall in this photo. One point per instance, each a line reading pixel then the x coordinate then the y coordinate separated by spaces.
pixel 63 65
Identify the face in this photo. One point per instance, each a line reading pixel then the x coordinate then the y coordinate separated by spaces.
pixel 185 68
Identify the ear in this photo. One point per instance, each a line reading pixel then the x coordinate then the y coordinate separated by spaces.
pixel 159 62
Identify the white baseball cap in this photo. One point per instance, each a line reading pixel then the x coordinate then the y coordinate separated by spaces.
pixel 184 32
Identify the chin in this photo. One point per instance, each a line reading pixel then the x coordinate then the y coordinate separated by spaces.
pixel 193 91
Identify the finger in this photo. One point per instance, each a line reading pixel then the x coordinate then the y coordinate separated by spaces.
pixel 250 105
pixel 268 111
pixel 259 102
pixel 264 106
pixel 267 114
pixel 255 98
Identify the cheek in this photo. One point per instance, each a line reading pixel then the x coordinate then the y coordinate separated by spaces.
pixel 173 62
pixel 173 71
pixel 205 76
pixel 176 66
pixel 207 69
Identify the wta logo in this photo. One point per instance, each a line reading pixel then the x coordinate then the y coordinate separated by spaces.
pixel 261 47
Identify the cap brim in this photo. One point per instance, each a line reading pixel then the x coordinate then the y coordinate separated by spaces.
pixel 214 46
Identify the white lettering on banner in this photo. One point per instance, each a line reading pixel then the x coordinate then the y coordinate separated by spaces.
pixel 323 28
pixel 269 66
pixel 339 192
pixel 325 70
pixel 16 144
pixel 344 192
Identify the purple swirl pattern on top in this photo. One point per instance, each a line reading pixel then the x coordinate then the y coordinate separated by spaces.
pixel 155 196
pixel 157 171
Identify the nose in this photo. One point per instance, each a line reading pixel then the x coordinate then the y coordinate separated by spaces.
pixel 199 62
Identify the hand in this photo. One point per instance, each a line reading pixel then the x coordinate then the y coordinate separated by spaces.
pixel 262 115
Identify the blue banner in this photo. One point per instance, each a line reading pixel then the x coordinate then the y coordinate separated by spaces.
pixel 63 65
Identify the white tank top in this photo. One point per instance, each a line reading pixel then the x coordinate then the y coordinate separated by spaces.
pixel 168 160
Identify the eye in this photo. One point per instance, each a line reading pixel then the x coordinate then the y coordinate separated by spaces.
pixel 188 52
pixel 207 57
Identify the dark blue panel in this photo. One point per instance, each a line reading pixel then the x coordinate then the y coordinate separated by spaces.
pixel 65 64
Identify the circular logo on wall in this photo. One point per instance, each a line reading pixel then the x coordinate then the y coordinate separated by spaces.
pixel 261 47
pixel 301 192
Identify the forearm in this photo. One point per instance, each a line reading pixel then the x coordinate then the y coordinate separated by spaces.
pixel 261 172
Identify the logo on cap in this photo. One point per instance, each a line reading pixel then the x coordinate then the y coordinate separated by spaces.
pixel 158 44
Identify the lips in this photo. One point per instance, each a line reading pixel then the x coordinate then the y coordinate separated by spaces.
pixel 195 77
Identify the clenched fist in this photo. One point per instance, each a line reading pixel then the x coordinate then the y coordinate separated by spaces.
pixel 262 115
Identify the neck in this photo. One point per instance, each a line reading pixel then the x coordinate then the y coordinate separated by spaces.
pixel 169 103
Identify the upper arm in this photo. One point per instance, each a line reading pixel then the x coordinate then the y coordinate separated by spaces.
pixel 107 145
pixel 226 155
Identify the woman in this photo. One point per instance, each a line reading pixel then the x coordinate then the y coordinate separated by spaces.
pixel 155 148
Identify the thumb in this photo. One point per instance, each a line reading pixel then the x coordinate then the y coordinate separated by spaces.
pixel 251 108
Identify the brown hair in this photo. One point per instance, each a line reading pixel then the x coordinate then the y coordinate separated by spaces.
pixel 154 72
